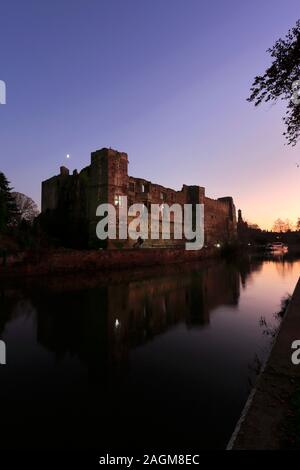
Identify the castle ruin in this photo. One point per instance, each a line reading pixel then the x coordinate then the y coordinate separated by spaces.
pixel 69 203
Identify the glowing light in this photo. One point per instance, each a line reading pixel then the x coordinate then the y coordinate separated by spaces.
pixel 117 323
pixel 68 155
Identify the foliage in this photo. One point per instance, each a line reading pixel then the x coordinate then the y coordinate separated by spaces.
pixel 278 79
pixel 8 208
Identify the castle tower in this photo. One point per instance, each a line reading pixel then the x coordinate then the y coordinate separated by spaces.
pixel 107 182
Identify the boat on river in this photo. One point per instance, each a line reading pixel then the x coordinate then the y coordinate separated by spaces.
pixel 277 247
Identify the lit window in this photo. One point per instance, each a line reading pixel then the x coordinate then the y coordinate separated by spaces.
pixel 118 200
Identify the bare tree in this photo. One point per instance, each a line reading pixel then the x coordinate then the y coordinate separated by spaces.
pixel 282 225
pixel 27 208
pixel 289 225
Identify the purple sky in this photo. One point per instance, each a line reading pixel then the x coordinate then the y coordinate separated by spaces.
pixel 164 80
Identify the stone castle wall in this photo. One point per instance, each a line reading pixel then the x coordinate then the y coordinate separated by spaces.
pixel 72 200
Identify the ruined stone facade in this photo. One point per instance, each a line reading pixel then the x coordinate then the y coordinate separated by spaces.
pixel 70 202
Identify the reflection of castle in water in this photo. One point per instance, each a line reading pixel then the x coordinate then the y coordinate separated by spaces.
pixel 149 378
pixel 102 325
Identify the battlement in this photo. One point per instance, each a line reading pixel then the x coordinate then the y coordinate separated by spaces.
pixel 106 179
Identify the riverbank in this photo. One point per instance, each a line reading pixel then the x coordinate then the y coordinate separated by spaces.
pixel 89 261
pixel 271 414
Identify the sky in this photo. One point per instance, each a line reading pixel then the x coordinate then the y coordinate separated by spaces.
pixel 165 81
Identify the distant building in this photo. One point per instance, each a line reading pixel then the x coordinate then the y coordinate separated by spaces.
pixel 242 227
pixel 69 202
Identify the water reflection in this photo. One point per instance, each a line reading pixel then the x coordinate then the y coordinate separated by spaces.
pixel 175 346
pixel 102 324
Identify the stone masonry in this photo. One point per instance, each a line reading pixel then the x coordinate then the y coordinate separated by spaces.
pixel 69 202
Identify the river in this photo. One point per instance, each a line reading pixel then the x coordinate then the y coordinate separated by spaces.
pixel 160 359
